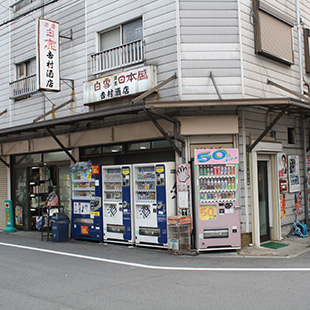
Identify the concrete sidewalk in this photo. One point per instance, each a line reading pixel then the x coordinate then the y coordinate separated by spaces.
pixel 295 246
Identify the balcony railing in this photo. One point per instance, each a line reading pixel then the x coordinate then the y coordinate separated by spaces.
pixel 23 87
pixel 118 57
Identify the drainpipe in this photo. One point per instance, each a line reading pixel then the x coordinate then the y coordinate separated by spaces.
pixel 301 80
pixel 245 185
pixel 305 170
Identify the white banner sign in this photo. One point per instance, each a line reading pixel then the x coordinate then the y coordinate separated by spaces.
pixel 120 85
pixel 48 73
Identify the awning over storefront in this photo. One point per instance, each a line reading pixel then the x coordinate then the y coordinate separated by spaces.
pixel 152 110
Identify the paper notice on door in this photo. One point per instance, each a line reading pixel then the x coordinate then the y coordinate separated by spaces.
pixel 183 199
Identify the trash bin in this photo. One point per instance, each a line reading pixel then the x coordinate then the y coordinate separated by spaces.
pixel 60 227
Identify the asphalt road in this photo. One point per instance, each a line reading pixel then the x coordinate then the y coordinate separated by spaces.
pixel 37 274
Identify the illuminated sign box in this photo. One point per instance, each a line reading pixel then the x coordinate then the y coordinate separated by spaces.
pixel 120 85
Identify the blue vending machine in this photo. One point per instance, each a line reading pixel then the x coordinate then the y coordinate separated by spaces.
pixel 86 200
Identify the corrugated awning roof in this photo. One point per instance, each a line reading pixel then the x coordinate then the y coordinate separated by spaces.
pixel 78 122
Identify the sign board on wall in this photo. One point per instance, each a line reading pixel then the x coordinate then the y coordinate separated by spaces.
pixel 120 84
pixel 48 69
pixel 184 195
pixel 293 172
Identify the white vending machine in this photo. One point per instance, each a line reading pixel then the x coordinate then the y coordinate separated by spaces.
pixel 154 201
pixel 117 204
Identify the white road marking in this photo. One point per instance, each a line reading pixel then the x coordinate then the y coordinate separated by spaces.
pixel 112 261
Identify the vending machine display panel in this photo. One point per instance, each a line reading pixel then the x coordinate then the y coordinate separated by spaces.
pixel 117 202
pixel 86 201
pixel 155 200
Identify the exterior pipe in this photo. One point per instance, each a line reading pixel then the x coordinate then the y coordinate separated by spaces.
pixel 306 172
pixel 301 80
pixel 300 54
pixel 245 185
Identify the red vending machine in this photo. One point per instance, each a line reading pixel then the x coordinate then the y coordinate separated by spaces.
pixel 217 207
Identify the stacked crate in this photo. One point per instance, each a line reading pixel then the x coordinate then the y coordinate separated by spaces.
pixel 179 234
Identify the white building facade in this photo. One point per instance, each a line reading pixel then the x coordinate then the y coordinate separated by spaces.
pixel 151 81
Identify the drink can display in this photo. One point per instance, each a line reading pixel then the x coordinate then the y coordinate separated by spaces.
pixel 218 170
pixel 214 170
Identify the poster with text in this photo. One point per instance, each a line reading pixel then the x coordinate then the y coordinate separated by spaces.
pixel 298 203
pixel 293 172
pixel 308 172
pixel 184 194
pixel 282 206
pixel 282 165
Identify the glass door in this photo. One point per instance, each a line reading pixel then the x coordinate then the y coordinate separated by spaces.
pixel 263 200
pixel 64 188
pixel 20 199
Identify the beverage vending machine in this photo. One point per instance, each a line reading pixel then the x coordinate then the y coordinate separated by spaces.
pixel 154 196
pixel 117 204
pixel 217 199
pixel 86 201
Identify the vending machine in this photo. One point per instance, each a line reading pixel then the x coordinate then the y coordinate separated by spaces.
pixel 217 207
pixel 86 199
pixel 154 201
pixel 117 204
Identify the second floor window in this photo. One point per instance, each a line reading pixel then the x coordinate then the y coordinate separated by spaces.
pixel 119 47
pixel 25 68
pixel 123 34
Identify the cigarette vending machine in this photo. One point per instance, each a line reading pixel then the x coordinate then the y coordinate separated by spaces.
pixel 117 204
pixel 154 199
pixel 86 202
pixel 217 205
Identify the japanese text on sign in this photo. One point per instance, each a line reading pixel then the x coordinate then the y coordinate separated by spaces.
pixel 120 85
pixel 48 55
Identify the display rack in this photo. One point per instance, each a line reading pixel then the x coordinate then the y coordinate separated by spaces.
pixel 38 191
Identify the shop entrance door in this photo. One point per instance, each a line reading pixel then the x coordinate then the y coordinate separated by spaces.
pixel 263 200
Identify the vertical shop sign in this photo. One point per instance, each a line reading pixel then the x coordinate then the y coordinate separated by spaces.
pixel 184 190
pixel 282 206
pixel 48 72
pixel 293 172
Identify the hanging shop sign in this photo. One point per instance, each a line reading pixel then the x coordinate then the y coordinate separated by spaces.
pixel 120 85
pixel 48 72
pixel 293 171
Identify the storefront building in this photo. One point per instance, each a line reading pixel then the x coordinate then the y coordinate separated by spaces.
pixel 153 87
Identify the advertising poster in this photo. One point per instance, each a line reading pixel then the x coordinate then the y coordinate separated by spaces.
pixel 282 206
pixel 184 195
pixel 308 172
pixel 298 203
pixel 293 171
pixel 282 165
